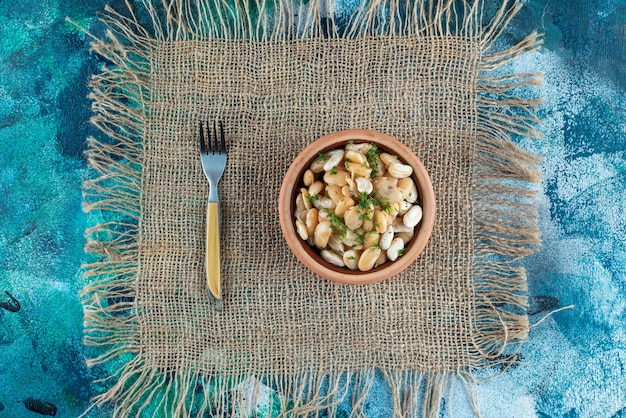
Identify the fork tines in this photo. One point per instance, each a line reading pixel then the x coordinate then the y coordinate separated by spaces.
pixel 210 144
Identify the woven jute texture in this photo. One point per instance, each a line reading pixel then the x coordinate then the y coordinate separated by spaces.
pixel 457 308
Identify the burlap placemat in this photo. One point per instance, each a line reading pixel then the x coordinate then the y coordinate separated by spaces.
pixel 280 76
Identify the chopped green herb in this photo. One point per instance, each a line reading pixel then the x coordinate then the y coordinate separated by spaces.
pixel 321 156
pixel 313 197
pixel 333 171
pixel 372 159
pixel 400 252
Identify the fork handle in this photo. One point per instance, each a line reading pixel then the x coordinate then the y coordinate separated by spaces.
pixel 213 260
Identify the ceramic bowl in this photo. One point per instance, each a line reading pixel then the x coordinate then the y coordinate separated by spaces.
pixel 309 255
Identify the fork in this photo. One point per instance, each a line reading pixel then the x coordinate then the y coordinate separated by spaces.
pixel 213 157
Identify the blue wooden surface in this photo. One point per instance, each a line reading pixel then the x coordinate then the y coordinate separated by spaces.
pixel 575 362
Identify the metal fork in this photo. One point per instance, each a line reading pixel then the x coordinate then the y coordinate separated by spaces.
pixel 213 157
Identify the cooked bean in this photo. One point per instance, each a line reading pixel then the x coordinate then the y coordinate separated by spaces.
pixel 355 157
pixel 412 217
pixel 316 188
pixel 311 221
pixel 317 166
pixel 382 259
pixel 370 239
pixel 352 218
pixel 386 238
pixel 345 190
pixel 301 230
pixel 388 159
pixel 337 178
pixel 358 169
pixel 300 203
pixel 322 234
pixel 409 189
pixel 399 170
pixel 324 215
pixel 394 208
pixel 333 258
pixel 333 158
pixel 335 244
pixel 301 215
pixel 364 185
pixel 395 249
pixel 344 204
pixel 324 203
pixel 334 192
pixel 306 198
pixel 361 148
pixel 381 220
pixel 308 178
pixel 351 259
pixel 351 238
pixel 368 258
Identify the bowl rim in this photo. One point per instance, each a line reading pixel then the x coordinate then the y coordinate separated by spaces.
pixel 308 255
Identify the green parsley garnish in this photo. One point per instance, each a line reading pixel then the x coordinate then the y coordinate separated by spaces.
pixel 333 171
pixel 372 159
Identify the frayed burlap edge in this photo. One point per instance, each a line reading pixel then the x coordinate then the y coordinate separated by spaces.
pixel 505 227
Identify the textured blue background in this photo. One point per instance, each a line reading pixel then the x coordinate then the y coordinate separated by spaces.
pixel 575 362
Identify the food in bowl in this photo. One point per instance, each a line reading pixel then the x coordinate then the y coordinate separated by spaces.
pixel 358 205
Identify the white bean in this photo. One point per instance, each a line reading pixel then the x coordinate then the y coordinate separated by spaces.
pixel 324 203
pixel 352 218
pixel 336 177
pixel 355 157
pixel 368 258
pixel 412 217
pixel 301 230
pixel 388 159
pixel 333 158
pixel 322 234
pixel 351 238
pixel 315 188
pixel 361 148
pixel 311 220
pixel 395 249
pixel 386 238
pixel 332 258
pixel 351 259
pixel 399 170
pixel 364 185
pixel 335 244
pixel 409 189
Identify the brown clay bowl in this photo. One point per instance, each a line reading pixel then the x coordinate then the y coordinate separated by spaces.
pixel 309 255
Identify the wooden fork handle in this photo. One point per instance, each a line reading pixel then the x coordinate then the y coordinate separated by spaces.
pixel 213 260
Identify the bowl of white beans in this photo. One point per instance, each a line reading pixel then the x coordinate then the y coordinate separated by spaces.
pixel 357 207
